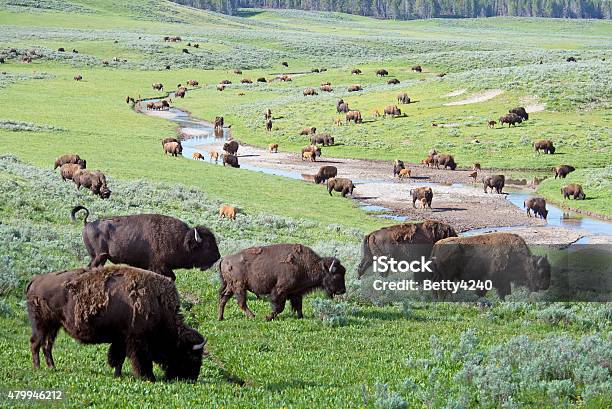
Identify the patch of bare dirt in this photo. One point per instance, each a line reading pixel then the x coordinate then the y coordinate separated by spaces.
pixel 479 97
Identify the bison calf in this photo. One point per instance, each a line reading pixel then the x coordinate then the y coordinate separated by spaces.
pixel 227 211
pixel 423 194
pixel 282 271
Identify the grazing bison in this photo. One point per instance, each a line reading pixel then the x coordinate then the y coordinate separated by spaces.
pixel 308 131
pixel 403 98
pixel 447 161
pixel 496 182
pixel 398 165
pixel 94 181
pixel 417 68
pixel 214 155
pixel 324 139
pixel 326 88
pixel 173 148
pixel 510 119
pixel 154 242
pixel 268 125
pixel 354 116
pixel 225 82
pixel 440 75
pixel 393 81
pixel 227 211
pixel 356 71
pixel 571 59
pixel 284 64
pixel 273 148
pixel 136 311
pixel 246 81
pixel 262 79
pixel 180 92
pixel 491 123
pixel 563 170
pixel 354 87
pixel 342 107
pixel 315 70
pixel 544 145
pixel 231 147
pixel 538 205
pixel 231 160
pixel 282 271
pixel 402 242
pixel 193 83
pixel 392 110
pixel 197 155
pixel 520 111
pixel 310 91
pixel 285 78
pixel 423 194
pixel 268 113
pixel 158 87
pixel 343 185
pixel 500 257
pixel 78 77
pixel 186 51
pixel 382 73
pixel 69 158
pixel 61 49
pixel 574 190
pixel 68 170
pixel 325 173
pixel 238 72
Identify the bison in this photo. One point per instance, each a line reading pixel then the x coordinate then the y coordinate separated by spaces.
pixel 382 73
pixel 491 124
pixel 402 242
pixel 197 155
pixel 227 211
pixel 398 165
pixel 326 88
pixel 354 116
pixel 231 147
pixel 403 173
pixel 69 158
pixel 502 258
pixel 417 68
pixel 78 77
pixel 476 166
pixel 225 82
pixel 193 83
pixel 180 92
pixel 284 64
pixel 447 161
pixel 246 81
pixel 136 311
pixel 268 113
pixel 68 170
pixel 574 190
pixel 496 182
pixel 273 148
pixel 510 119
pixel 238 72
pixel 219 122
pixel 324 139
pixel 393 81
pixel 356 71
pixel 285 78
pixel 392 110
pixel 282 271
pixel 544 145
pixel 231 160
pixel 262 79
pixel 403 98
pixel 342 107
pixel 310 91
pixel 268 125
pixel 520 111
pixel 308 155
pixel 173 148
pixel 538 205
pixel 308 131
pixel 94 181
pixel 214 155
pixel 563 170
pixel 158 87
pixel 355 87
pixel 220 87
pixel 423 194
pixel 168 140
pixel 325 173
pixel 345 186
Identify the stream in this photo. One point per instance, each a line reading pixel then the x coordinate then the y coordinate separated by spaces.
pixel 197 133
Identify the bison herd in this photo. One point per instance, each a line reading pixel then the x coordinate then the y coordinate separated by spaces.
pixel 72 167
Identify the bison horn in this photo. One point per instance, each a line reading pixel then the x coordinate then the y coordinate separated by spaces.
pixel 199 346
pixel 197 235
pixel 331 267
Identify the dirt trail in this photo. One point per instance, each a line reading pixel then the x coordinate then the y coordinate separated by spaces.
pixel 480 97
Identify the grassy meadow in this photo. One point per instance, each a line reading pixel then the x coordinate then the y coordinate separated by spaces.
pixel 350 352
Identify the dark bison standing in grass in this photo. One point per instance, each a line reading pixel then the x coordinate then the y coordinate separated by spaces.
pixel 282 271
pixel 574 190
pixel 403 242
pixel 382 73
pixel 503 258
pixel 324 139
pixel 136 311
pixel 496 182
pixel 354 116
pixel 520 111
pixel 356 71
pixel 325 173
pixel 510 119
pixel 563 170
pixel 544 145
pixel 151 241
pixel 403 98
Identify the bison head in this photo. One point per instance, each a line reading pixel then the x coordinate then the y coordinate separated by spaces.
pixel 201 245
pixel 333 276
pixel 184 361
pixel 82 163
pixel 541 276
pixel 552 149
pixel 105 192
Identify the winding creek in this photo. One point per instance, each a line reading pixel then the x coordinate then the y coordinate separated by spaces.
pixel 198 136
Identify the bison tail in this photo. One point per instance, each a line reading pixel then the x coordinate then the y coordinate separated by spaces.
pixel 75 210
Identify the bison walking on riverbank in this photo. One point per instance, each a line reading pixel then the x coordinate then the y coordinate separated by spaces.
pixel 282 271
pixel 496 182
pixel 136 311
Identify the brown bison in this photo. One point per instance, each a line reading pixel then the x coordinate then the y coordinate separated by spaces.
pixel 308 155
pixel 219 122
pixel 158 87
pixel 356 71
pixel 154 242
pixel 197 155
pixel 423 194
pixel 225 82
pixel 429 161
pixel 403 173
pixel 273 148
pixel 246 81
pixel 238 72
pixel 355 87
pixel 398 165
pixel 382 73
pixel 282 271
pixel 94 181
pixel 538 205
pixel 393 81
pixel 180 92
pixel 502 258
pixel 231 160
pixel 417 68
pixel 285 78
pixel 227 211
pixel 476 166
pixel 510 119
pixel 68 170
pixel 392 110
pixel 520 111
pixel 403 98
pixel 314 70
pixel 447 161
pixel 326 88
pixel 268 113
pixel 473 175
pixel 168 140
pixel 220 87
pixel 268 125
pixel 136 311
pixel 193 83
pixel 402 242
pixel 574 190
pixel 324 139
pixel 308 131
pixel 69 158
pixel 342 107
pixel 325 173
pixel 262 79
pixel 310 91
pixel 78 77
pixel 544 145
pixel 496 182
pixel 354 116
pixel 231 147
pixel 214 155
pixel 491 123
pixel 173 148
pixel 345 186
pixel 563 170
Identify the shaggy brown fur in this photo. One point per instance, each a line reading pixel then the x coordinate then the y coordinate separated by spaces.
pixel 354 87
pixel 354 116
pixel 392 110
pixel 422 194
pixel 311 148
pixel 538 205
pixel 231 160
pixel 227 211
pixel 403 98
pixel 94 181
pixel 308 131
pixel 324 173
pixel 343 185
pixel 69 158
pixel 403 173
pixel 447 161
pixel 544 145
pixel 214 155
pixel 563 170
pixel 496 182
pixel 324 139
pixel 173 148
pixel 326 88
pixel 67 170
pixel 308 155
pixel 231 147
pixel 574 190
pixel 310 91
pixel 273 148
